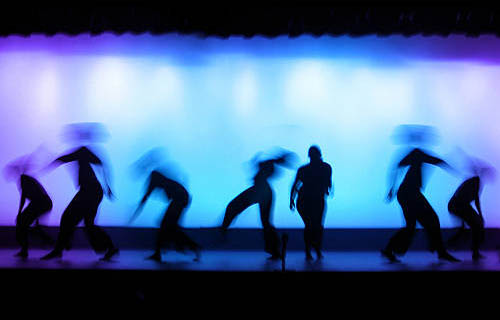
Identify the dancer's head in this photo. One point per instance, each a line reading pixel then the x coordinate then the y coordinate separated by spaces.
pixel 481 169
pixel 415 135
pixel 149 161
pixel 277 155
pixel 16 168
pixel 473 166
pixel 157 159
pixel 314 154
pixel 85 133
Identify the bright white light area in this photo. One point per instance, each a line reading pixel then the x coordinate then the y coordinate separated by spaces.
pixel 245 91
pixel 111 88
pixel 310 88
pixel 165 89
pixel 47 92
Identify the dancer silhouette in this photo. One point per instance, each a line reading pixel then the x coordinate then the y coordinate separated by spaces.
pixel 312 183
pixel 86 202
pixel 262 194
pixel 39 205
pixel 170 232
pixel 460 205
pixel 415 206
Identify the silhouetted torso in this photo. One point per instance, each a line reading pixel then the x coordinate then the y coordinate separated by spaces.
pixel 86 175
pixel 173 190
pixel 467 191
pixel 315 178
pixel 415 159
pixel 33 190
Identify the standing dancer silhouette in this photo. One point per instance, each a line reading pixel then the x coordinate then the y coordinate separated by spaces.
pixel 86 202
pixel 415 206
pixel 262 194
pixel 312 183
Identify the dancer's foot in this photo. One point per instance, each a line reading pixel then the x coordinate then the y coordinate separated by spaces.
pixel 22 254
pixel 197 255
pixel 275 257
pixel 389 255
pixel 309 257
pixel 319 255
pixel 476 256
pixel 284 242
pixel 155 256
pixel 448 257
pixel 223 232
pixel 111 252
pixel 52 255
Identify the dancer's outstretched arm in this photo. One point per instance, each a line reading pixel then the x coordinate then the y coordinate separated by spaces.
pixel 107 180
pixel 294 190
pixel 477 202
pixel 70 157
pixel 21 202
pixel 478 206
pixel 330 189
pixel 439 162
pixel 396 170
pixel 104 171
pixel 393 178
pixel 138 211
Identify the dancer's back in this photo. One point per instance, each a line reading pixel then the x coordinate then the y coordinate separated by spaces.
pixel 415 159
pixel 84 157
pixel 32 189
pixel 467 191
pixel 173 189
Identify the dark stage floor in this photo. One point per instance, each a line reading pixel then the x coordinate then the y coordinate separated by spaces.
pixel 236 272
pixel 245 279
pixel 250 261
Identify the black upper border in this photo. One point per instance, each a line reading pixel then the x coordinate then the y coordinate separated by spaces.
pixel 248 19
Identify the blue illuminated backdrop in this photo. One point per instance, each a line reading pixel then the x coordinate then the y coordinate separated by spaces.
pixel 214 103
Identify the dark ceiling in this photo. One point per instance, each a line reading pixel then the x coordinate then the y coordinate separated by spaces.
pixel 270 19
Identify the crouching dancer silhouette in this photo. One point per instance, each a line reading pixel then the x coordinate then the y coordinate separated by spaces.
pixel 85 203
pixel 170 232
pixel 415 206
pixel 460 205
pixel 39 204
pixel 312 182
pixel 262 194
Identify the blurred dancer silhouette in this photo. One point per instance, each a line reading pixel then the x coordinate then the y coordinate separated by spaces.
pixel 39 204
pixel 86 202
pixel 460 205
pixel 312 183
pixel 170 232
pixel 262 194
pixel 415 206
